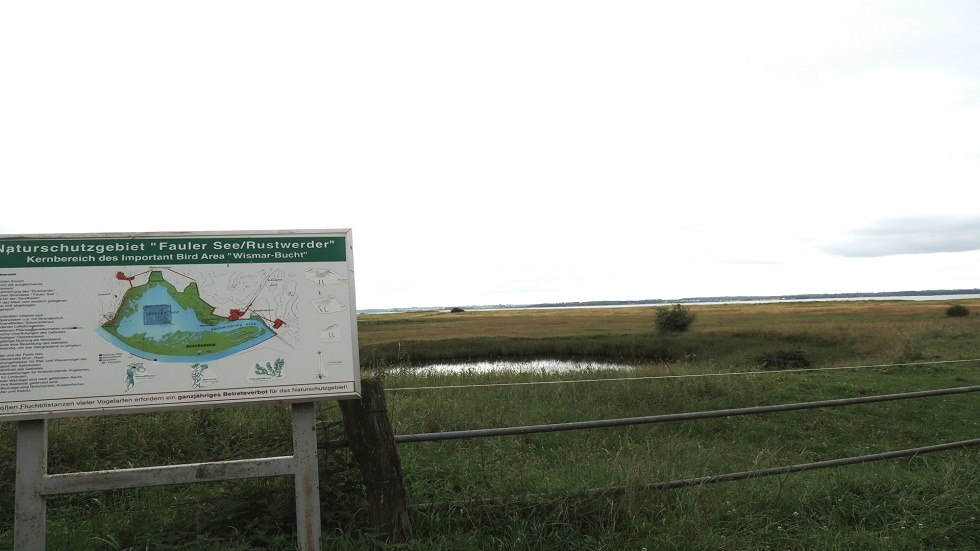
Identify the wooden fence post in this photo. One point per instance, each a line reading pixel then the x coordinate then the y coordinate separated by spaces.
pixel 372 442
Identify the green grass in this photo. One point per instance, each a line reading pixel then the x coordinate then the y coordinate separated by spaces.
pixel 536 491
pixel 925 502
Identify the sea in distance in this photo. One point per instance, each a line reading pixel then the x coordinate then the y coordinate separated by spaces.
pixel 937 295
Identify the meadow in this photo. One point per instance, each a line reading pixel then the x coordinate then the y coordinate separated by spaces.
pixel 586 489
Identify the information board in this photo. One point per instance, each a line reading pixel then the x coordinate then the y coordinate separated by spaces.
pixel 113 323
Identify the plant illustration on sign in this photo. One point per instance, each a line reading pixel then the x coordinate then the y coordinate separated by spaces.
pixel 271 369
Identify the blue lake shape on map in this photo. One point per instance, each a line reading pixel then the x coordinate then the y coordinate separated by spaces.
pixel 154 315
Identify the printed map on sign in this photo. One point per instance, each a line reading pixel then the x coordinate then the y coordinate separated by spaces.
pixel 182 316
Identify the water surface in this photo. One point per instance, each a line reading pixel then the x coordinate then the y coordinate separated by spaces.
pixel 522 366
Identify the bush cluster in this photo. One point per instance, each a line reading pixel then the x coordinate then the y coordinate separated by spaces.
pixel 675 319
pixel 957 311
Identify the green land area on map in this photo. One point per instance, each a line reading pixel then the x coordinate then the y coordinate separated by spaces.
pixel 158 319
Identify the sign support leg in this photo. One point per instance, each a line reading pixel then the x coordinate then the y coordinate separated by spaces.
pixel 30 505
pixel 307 476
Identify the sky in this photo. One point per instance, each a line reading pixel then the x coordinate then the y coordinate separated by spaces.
pixel 514 152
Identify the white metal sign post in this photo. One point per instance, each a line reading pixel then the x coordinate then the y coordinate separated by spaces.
pixel 34 484
pixel 99 324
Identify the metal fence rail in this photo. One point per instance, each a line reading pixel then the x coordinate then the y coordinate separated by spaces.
pixel 604 423
pixel 712 479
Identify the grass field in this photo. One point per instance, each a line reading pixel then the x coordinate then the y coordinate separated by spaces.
pixel 539 491
pixel 831 333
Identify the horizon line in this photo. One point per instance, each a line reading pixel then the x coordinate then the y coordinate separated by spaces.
pixel 686 300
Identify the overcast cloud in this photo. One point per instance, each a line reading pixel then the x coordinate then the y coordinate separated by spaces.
pixel 515 152
pixel 923 235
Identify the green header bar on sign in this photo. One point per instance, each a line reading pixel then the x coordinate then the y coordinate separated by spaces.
pixel 29 253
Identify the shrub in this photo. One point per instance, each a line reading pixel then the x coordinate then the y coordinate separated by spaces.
pixel 675 319
pixel 784 359
pixel 957 311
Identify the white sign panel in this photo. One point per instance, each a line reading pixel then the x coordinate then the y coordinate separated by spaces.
pixel 96 324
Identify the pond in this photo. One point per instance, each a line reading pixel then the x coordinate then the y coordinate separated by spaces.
pixel 521 366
